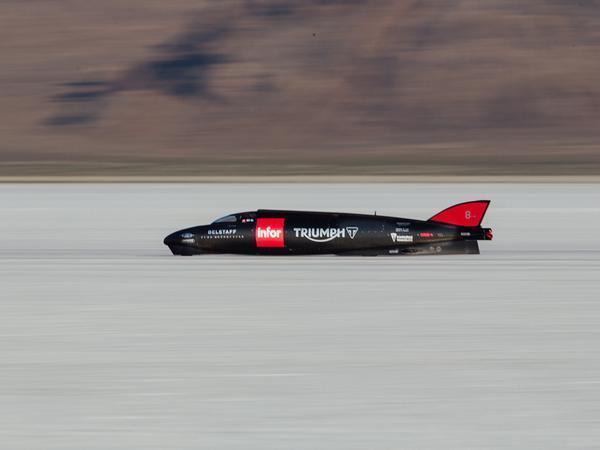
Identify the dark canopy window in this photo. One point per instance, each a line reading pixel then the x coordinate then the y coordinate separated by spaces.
pixel 226 219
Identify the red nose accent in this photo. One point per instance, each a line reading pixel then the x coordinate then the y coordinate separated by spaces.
pixel 489 235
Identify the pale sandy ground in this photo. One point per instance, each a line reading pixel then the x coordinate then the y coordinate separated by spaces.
pixel 108 342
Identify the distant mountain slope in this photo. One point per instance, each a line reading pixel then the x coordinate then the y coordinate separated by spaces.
pixel 380 86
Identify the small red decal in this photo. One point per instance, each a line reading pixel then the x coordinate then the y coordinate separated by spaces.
pixel 426 235
pixel 269 233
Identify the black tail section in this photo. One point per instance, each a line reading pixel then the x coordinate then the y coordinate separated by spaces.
pixel 440 248
pixel 444 248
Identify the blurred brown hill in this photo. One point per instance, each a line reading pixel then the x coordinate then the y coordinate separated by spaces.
pixel 300 87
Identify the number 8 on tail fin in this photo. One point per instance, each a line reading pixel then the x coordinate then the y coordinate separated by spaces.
pixel 468 214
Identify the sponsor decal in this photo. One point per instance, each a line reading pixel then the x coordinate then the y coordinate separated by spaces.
pixel 247 220
pixel 269 233
pixel 465 234
pixel 221 232
pixel 401 237
pixel 325 234
pixel 394 252
pixel 426 235
pixel 402 230
pixel 187 236
pixel 352 231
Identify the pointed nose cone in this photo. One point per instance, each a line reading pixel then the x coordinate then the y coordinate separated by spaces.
pixel 172 239
pixel 181 243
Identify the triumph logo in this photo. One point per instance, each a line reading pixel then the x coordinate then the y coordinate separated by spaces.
pixel 352 231
pixel 325 234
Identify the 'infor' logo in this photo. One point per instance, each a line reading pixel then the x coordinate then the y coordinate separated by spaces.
pixel 269 233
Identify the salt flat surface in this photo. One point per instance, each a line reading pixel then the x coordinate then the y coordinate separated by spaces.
pixel 108 342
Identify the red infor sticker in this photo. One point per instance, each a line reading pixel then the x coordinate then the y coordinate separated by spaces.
pixel 269 233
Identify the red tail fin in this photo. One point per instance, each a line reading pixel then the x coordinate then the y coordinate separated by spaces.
pixel 469 214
